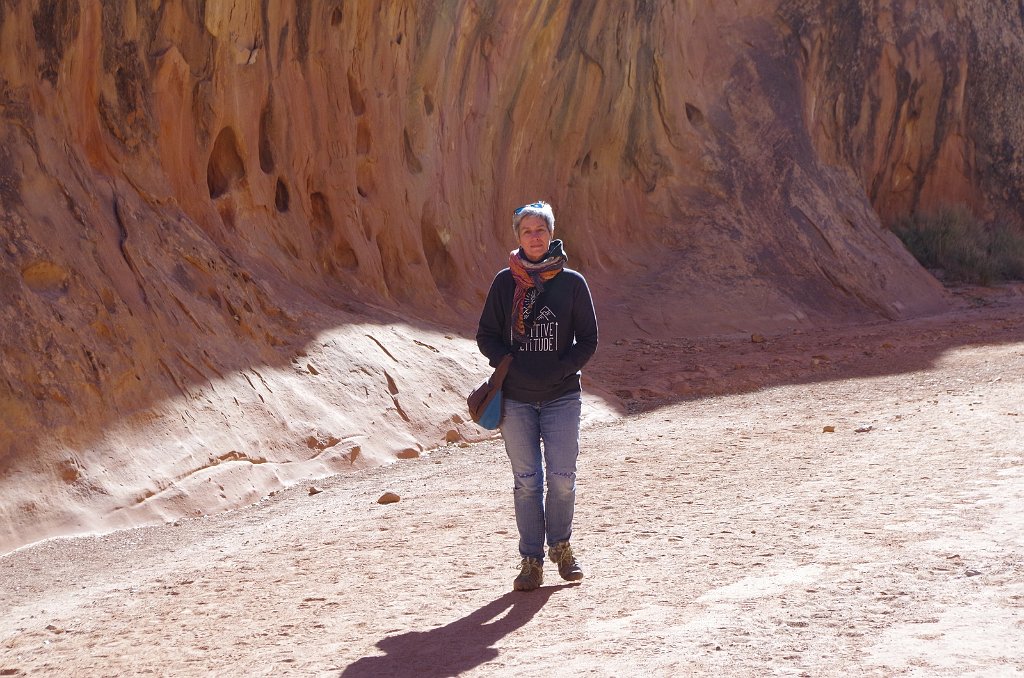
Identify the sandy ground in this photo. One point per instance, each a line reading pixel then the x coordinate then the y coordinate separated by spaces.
pixel 722 530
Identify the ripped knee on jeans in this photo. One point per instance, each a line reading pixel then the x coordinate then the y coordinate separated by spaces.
pixel 528 482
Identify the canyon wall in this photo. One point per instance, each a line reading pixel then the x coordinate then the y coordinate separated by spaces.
pixel 244 244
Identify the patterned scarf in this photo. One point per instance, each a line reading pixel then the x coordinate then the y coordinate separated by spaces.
pixel 528 274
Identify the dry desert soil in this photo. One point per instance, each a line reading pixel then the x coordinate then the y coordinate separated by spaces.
pixel 722 529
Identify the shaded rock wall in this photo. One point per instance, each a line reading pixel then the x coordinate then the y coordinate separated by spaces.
pixel 921 100
pixel 245 243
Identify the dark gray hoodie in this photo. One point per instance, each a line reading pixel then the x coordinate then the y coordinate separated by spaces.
pixel 561 335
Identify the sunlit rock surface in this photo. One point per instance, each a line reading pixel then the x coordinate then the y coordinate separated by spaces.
pixel 245 243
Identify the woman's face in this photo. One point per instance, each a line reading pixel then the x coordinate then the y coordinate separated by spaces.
pixel 534 237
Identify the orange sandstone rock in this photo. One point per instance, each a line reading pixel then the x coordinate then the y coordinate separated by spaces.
pixel 194 195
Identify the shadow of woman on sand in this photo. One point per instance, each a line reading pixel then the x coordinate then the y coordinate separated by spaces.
pixel 457 647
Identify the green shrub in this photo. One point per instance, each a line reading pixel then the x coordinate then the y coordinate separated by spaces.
pixel 959 248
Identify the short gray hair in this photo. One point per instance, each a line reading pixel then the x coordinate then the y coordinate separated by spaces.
pixel 534 209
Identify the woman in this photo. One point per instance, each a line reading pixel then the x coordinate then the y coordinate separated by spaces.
pixel 542 314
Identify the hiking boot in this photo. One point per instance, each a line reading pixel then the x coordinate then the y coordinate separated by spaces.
pixel 568 568
pixel 531 576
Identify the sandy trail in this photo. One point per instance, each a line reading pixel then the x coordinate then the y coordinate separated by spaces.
pixel 720 534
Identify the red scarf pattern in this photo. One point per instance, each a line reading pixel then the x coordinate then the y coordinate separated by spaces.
pixel 528 274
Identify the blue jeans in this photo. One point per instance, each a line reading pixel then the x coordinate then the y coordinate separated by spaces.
pixel 523 427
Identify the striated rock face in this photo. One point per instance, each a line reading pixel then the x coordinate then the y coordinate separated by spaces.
pixel 921 100
pixel 245 243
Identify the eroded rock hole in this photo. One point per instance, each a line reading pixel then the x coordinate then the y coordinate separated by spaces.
pixel 281 197
pixel 442 267
pixel 694 114
pixel 266 134
pixel 225 167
